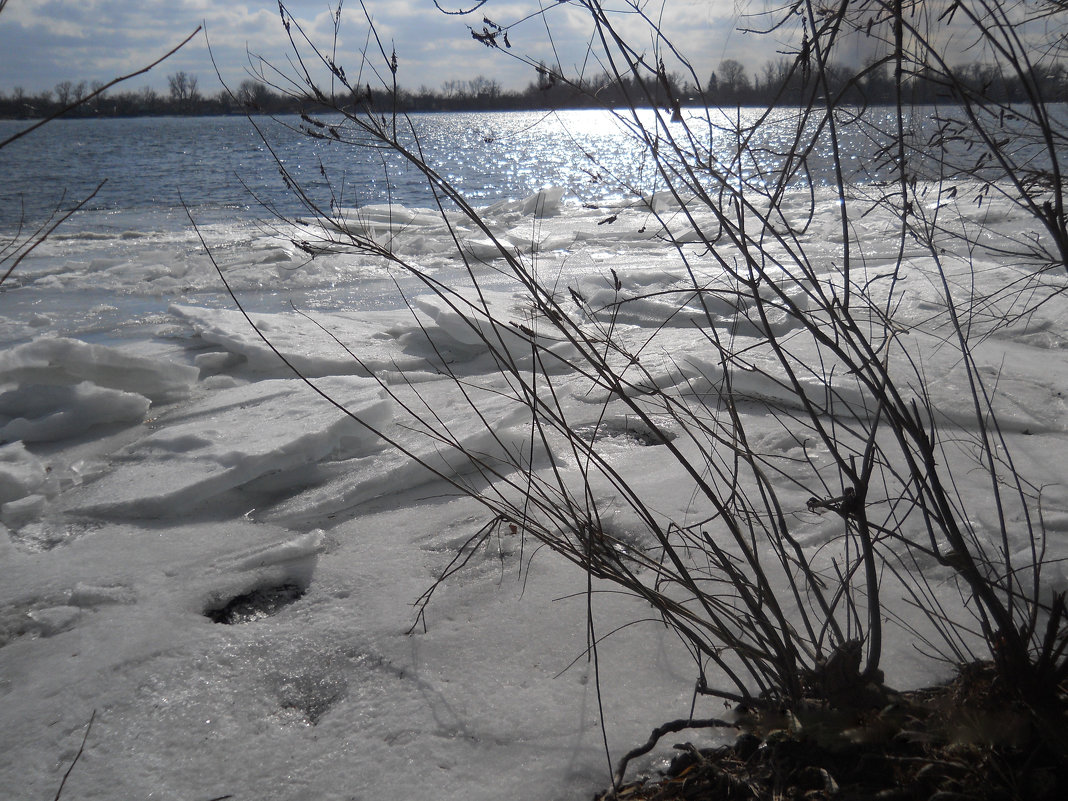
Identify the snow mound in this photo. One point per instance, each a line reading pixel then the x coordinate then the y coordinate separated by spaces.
pixel 21 473
pixel 458 328
pixel 316 347
pixel 543 203
pixel 483 451
pixel 274 431
pixel 64 361
pixel 36 413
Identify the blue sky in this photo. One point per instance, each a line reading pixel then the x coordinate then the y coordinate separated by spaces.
pixel 44 42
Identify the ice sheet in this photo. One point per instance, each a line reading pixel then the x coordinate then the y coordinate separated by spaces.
pixel 272 428
pixel 245 484
pixel 64 361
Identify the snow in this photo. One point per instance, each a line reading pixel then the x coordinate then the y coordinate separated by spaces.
pixel 272 430
pixel 150 476
pixel 21 473
pixel 43 413
pixel 62 361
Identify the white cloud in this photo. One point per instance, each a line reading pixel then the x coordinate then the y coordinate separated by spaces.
pixel 43 43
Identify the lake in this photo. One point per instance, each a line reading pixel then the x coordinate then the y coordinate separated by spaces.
pixel 222 167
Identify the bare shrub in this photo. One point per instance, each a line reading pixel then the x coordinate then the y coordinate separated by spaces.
pixel 807 340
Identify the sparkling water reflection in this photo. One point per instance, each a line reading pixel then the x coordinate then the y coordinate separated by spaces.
pixel 219 165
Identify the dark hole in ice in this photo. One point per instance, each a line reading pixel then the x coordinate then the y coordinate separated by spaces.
pixel 255 605
pixel 633 431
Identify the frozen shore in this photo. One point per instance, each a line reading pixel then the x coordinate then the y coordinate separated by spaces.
pixel 154 471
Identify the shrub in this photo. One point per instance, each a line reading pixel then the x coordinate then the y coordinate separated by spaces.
pixel 810 337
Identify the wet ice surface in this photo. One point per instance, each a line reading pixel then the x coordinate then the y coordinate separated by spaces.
pixel 164 469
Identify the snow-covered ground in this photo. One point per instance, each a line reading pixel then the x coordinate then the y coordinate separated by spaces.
pixel 159 460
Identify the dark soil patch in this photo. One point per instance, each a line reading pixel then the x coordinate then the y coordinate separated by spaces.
pixel 967 740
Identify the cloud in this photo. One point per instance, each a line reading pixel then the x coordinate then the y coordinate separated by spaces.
pixel 43 43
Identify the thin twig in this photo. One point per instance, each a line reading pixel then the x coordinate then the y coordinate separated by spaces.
pixel 81 749
pixel 82 100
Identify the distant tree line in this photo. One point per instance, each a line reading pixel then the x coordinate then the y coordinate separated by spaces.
pixel 873 83
pixel 729 85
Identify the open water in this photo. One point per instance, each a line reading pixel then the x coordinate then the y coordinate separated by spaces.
pixel 222 167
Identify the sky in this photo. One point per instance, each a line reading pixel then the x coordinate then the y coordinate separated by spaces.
pixel 45 42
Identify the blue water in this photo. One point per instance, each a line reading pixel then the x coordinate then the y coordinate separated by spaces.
pixel 222 168
pixel 222 165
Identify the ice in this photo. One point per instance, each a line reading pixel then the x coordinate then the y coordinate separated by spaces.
pixel 54 619
pixel 61 361
pixel 274 429
pixel 17 513
pixel 322 345
pixel 155 476
pixel 653 299
pixel 544 203
pixel 395 228
pixel 422 232
pixel 418 459
pixel 91 595
pixel 21 473
pixel 36 413
pixel 461 330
